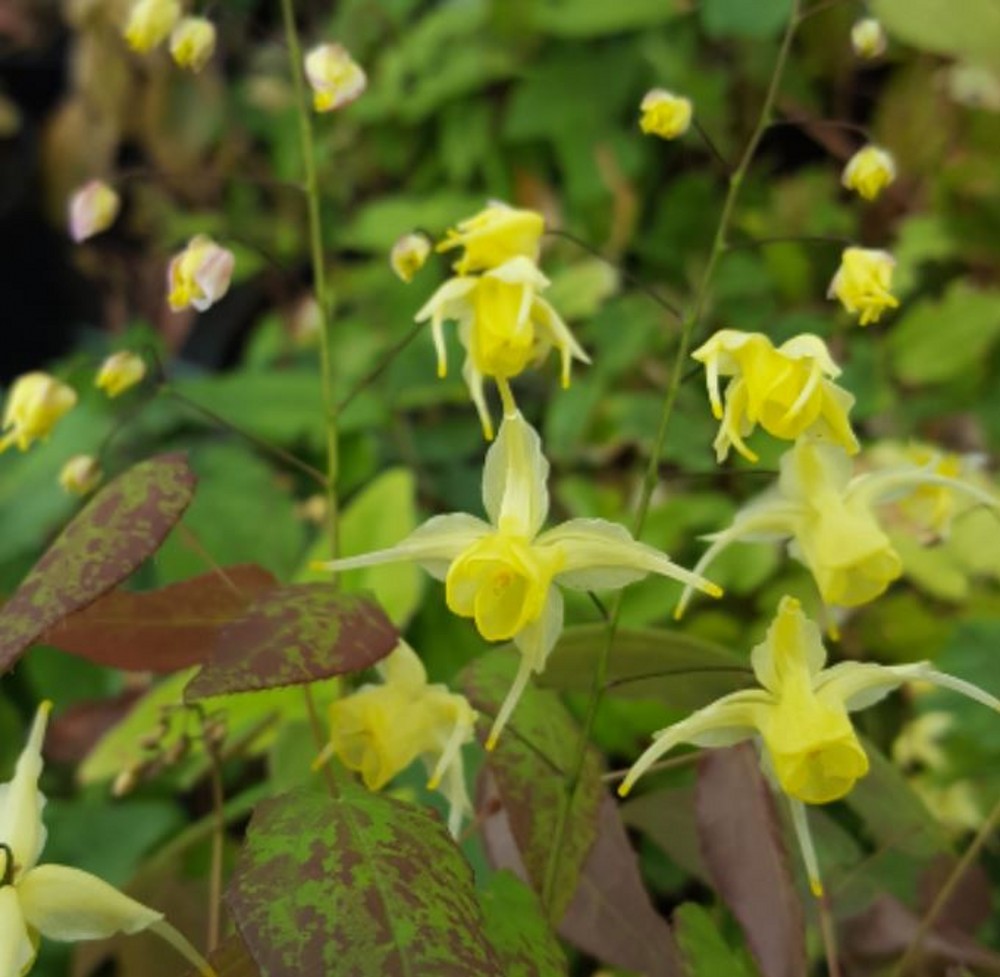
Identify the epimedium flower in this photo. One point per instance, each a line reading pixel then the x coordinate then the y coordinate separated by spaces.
pixel 200 275
pixel 380 729
pixel 506 573
pixel 334 76
pixel 409 254
pixel 505 326
pixel 80 475
pixel 787 390
pixel 869 171
pixel 665 114
pixel 494 236
pixel 868 38
pixel 863 283
pixel 149 23
pixel 830 520
pixel 192 43
pixel 35 404
pixel 92 209
pixel 120 372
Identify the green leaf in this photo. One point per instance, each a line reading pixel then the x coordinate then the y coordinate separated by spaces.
pixel 705 952
pixel 358 885
pixel 935 25
pixel 738 18
pixel 597 18
pixel 295 635
pixel 121 526
pixel 380 223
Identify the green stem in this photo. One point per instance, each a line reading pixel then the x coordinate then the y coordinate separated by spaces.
pixel 688 327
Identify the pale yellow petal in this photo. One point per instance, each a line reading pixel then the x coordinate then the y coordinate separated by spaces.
pixel 515 492
pixel 21 802
pixel 16 949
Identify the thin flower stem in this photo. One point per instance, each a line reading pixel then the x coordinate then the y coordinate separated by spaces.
pixel 829 935
pixel 819 8
pixel 674 763
pixel 369 378
pixel 688 326
pixel 828 123
pixel 218 837
pixel 317 730
pixel 766 242
pixel 710 143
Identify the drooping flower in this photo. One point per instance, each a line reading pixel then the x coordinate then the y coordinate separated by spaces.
pixel 664 114
pixel 335 77
pixel 495 236
pixel 505 574
pixel 409 254
pixel 92 209
pixel 503 323
pixel 868 38
pixel 34 405
pixel 80 475
pixel 379 730
pixel 869 171
pixel 788 390
pixel 830 520
pixel 863 283
pixel 200 275
pixel 120 372
pixel 192 43
pixel 149 23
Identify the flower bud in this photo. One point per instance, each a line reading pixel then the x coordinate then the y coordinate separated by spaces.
pixel 81 475
pixel 408 255
pixel 868 39
pixel 336 78
pixel 92 209
pixel 149 23
pixel 34 405
pixel 192 43
pixel 199 276
pixel 863 283
pixel 120 372
pixel 664 114
pixel 869 171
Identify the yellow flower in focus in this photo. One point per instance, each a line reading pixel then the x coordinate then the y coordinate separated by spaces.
pixel 80 475
pixel 863 282
pixel 92 209
pixel 335 77
pixel 149 23
pixel 192 43
pixel 868 38
pixel 504 325
pixel 200 275
pixel 379 730
pixel 505 574
pixel 869 171
pixel 34 405
pixel 120 372
pixel 664 114
pixel 494 236
pixel 409 254
pixel 788 390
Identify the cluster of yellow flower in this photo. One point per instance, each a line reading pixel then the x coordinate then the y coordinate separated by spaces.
pixel 151 22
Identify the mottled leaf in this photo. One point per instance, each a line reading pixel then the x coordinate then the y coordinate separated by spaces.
pixel 742 846
pixel 705 952
pixel 160 630
pixel 358 885
pixel 119 528
pixel 294 635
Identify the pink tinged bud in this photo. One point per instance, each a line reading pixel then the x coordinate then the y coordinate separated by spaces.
pixel 868 39
pixel 192 43
pixel 92 209
pixel 334 76
pixel 408 255
pixel 120 372
pixel 200 275
pixel 35 403
pixel 80 475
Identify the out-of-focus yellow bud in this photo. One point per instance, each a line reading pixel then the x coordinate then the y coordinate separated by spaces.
pixel 336 78
pixel 92 209
pixel 199 276
pixel 80 475
pixel 664 114
pixel 868 38
pixel 35 404
pixel 869 171
pixel 863 282
pixel 494 236
pixel 120 372
pixel 409 254
pixel 192 43
pixel 149 23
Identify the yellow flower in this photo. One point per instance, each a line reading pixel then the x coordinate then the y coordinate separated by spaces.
pixel 830 521
pixel 801 712
pixel 80 475
pixel 379 730
pixel 120 372
pixel 92 209
pixel 149 23
pixel 664 114
pixel 409 254
pixel 192 43
pixel 788 390
pixel 200 275
pixel 869 171
pixel 504 325
pixel 336 78
pixel 34 405
pixel 494 236
pixel 863 282
pixel 505 574
pixel 868 38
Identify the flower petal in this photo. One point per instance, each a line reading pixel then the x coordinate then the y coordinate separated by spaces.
pixel 859 685
pixel 16 949
pixel 515 494
pixel 21 802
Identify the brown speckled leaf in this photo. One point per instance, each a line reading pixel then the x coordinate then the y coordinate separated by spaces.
pixel 741 841
pixel 161 630
pixel 120 527
pixel 293 635
pixel 356 886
